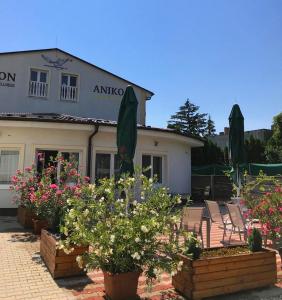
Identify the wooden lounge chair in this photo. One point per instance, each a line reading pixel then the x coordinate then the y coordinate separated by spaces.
pixel 217 217
pixel 191 221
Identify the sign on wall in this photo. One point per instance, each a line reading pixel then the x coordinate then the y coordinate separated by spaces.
pixel 108 90
pixel 7 79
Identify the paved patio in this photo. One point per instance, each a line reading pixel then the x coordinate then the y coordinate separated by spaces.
pixel 23 276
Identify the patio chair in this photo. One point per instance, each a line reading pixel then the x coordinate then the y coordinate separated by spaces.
pixel 217 217
pixel 237 221
pixel 191 221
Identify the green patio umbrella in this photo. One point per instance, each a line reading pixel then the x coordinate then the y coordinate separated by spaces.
pixel 127 130
pixel 236 142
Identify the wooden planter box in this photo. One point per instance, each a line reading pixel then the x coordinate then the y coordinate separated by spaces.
pixel 38 225
pixel 57 261
pixel 214 276
pixel 25 217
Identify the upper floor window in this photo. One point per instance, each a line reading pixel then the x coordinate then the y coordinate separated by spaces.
pixel 38 83
pixel 69 87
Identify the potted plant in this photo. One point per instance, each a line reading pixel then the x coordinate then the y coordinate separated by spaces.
pixel 50 201
pixel 224 270
pixel 23 183
pixel 125 235
pixel 263 198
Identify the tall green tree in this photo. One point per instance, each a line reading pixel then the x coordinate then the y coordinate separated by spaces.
pixel 210 128
pixel 209 154
pixel 255 149
pixel 188 120
pixel 273 149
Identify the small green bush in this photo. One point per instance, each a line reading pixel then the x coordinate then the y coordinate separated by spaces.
pixel 193 246
pixel 255 240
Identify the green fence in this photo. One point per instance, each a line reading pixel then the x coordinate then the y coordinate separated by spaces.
pixel 251 169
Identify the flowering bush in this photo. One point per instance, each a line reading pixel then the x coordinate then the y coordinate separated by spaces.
pixel 50 197
pixel 125 235
pixel 24 184
pixel 263 198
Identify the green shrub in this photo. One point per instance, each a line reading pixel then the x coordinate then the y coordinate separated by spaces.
pixel 255 240
pixel 192 246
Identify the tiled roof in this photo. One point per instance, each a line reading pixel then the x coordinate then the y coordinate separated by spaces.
pixel 63 118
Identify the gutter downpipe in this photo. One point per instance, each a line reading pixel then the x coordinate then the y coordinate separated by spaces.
pixel 89 154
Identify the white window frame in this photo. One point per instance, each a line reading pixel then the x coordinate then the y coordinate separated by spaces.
pixel 13 147
pixel 62 148
pixel 78 86
pixel 164 158
pixel 112 161
pixel 48 82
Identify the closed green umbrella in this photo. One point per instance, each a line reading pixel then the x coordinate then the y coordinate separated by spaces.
pixel 236 142
pixel 127 130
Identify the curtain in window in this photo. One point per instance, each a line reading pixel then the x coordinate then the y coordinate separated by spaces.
pixel 9 161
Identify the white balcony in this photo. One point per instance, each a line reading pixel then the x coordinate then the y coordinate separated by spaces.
pixel 38 89
pixel 69 93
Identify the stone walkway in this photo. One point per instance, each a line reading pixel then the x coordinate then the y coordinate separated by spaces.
pixel 23 276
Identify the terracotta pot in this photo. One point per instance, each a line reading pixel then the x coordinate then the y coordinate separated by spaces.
pixel 38 225
pixel 25 216
pixel 121 286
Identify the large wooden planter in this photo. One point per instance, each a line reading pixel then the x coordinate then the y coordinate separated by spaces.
pixel 214 276
pixel 25 217
pixel 57 261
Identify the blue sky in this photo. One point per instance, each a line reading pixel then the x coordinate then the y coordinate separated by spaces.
pixel 216 53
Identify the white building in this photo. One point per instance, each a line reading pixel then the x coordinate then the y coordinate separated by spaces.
pixel 52 101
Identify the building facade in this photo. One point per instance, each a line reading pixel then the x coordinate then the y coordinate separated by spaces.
pixel 53 102
pixel 222 139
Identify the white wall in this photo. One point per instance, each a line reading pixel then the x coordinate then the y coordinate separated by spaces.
pixel 89 104
pixel 175 150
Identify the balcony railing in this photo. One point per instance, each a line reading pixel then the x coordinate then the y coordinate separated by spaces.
pixel 38 89
pixel 69 93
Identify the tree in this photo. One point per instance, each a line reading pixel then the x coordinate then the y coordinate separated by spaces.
pixel 210 128
pixel 209 154
pixel 188 120
pixel 273 149
pixel 255 149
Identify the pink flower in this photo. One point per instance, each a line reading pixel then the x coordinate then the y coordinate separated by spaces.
pixel 277 229
pixel 271 210
pixel 53 186
pixel 28 169
pixel 59 192
pixel 280 209
pixel 86 178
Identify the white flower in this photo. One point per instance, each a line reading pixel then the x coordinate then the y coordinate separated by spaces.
pixel 156 271
pixel 111 251
pixel 69 201
pixel 151 180
pixel 101 199
pixel 144 229
pixel 86 212
pixel 120 200
pixel 173 273
pixel 136 256
pixel 79 261
pixel 134 202
pixel 179 266
pixel 112 238
pixel 72 213
pixel 137 240
pixel 108 191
